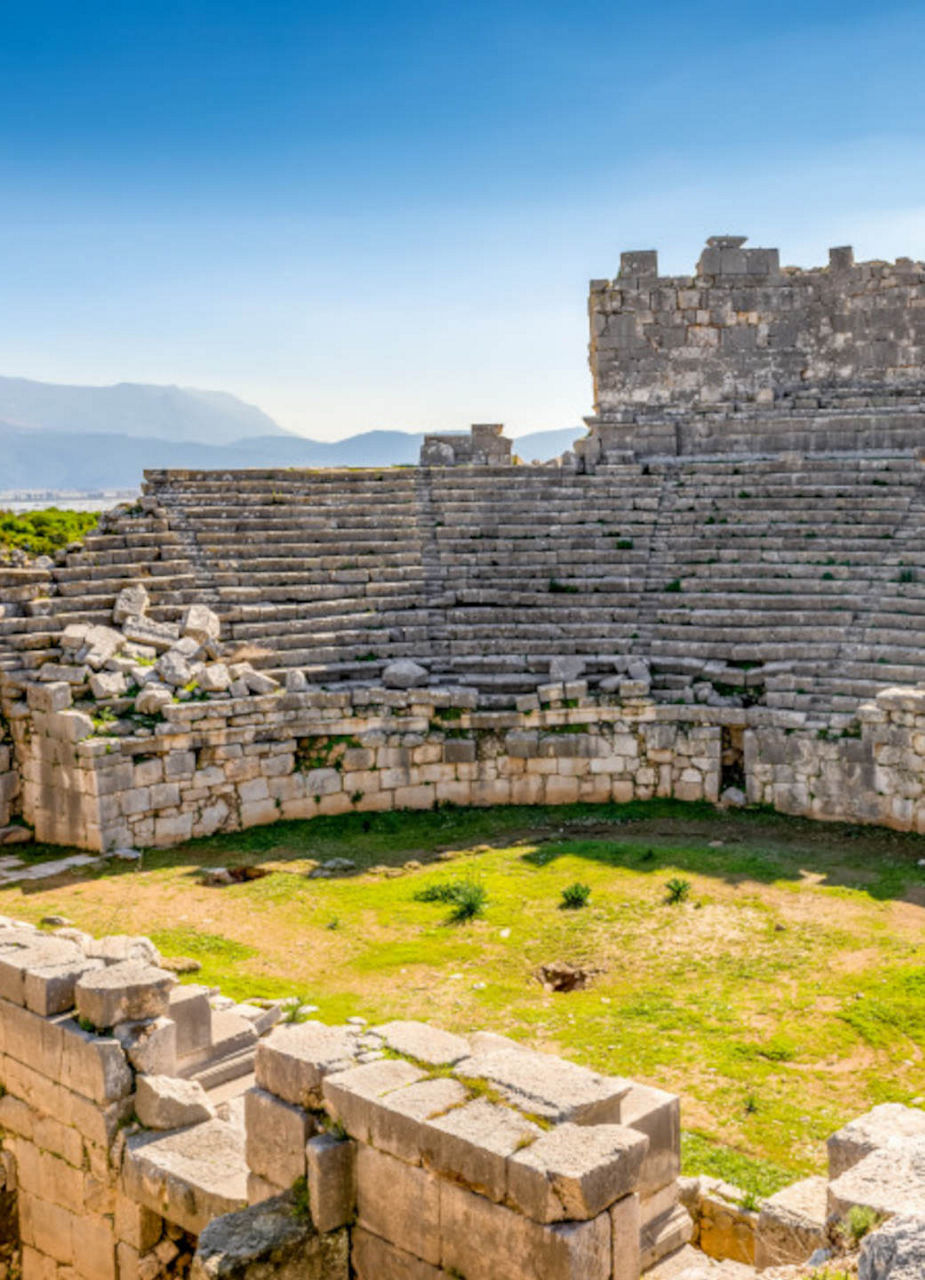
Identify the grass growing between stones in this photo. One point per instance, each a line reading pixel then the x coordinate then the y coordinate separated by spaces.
pixel 783 995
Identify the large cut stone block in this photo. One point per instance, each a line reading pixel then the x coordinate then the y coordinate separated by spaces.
pixel 423 1043
pixel 376 1259
pixel 895 1251
pixel 188 1176
pixel 791 1224
pixel 891 1180
pixel 352 1097
pixel 123 992
pixel 276 1136
pixel 625 1238
pixel 542 1085
pixel 575 1172
pixel 295 1057
pixel 471 1144
pixel 165 1102
pixel 657 1114
pixel 485 1241
pixel 399 1202
pixel 332 1180
pixel 387 1105
pixel 881 1127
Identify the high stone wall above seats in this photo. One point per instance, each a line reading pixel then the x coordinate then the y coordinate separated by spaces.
pixel 745 329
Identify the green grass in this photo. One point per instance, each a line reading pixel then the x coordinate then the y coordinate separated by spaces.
pixel 782 997
pixel 44 532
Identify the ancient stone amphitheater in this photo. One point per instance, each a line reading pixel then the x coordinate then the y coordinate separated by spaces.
pixel 717 594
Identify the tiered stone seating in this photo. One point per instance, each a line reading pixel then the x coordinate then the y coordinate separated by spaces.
pixel 810 563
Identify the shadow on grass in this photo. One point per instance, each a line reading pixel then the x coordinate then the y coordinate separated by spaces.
pixel 752 846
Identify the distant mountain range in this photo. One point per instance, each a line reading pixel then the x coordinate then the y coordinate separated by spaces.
pixel 58 437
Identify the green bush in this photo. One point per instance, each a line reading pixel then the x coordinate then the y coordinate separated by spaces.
pixel 678 889
pixel 41 533
pixel 575 896
pixel 466 898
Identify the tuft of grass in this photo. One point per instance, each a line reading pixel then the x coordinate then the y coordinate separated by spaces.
pixel 674 585
pixel 575 896
pixel 755 1177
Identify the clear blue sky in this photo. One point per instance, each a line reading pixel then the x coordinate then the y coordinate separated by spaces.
pixel 385 215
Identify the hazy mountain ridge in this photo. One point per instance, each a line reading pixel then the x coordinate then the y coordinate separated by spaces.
pixel 133 409
pixel 58 437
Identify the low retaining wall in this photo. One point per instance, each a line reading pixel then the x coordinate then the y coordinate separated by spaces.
pixel 199 767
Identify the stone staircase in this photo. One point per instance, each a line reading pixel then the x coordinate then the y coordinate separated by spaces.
pixel 810 564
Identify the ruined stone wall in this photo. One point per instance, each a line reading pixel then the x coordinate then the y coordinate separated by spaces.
pixel 392 1150
pixel 742 328
pixel 223 766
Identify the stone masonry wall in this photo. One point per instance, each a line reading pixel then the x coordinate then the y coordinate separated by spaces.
pixel 221 766
pixel 392 1150
pixel 744 329
pixel 204 767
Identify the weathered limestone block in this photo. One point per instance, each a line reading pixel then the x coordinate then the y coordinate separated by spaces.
pixel 895 1251
pixel 332 1180
pixel 200 623
pixel 131 602
pixel 99 645
pixel 890 1180
pixel 657 1114
pixel 188 1176
pixel 545 1086
pixel 792 1223
pixel 295 1057
pixel 422 1042
pixel 625 1238
pixel 52 696
pixel 123 992
pixel 363 1101
pixel 277 1133
pixel 165 1102
pixel 404 674
pixel 472 1144
pixel 399 1202
pixel 376 1259
pixel 272 1239
pixel 157 635
pixel 575 1172
pixel 484 1241
pixel 152 699
pixel 880 1127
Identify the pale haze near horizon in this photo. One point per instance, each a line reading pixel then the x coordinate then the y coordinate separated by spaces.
pixel 357 220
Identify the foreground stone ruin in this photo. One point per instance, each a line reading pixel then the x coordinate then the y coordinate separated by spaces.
pixel 718 591
pixel 137 1145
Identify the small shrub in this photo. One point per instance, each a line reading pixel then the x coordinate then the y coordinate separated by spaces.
pixel 861 1221
pixel 466 898
pixel 906 575
pixel 624 544
pixel 674 585
pixel 575 896
pixel 561 588
pixel 678 890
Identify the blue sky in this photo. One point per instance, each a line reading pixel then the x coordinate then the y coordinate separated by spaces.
pixel 385 215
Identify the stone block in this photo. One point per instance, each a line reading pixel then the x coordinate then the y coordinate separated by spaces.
pixel 423 1043
pixel 361 1101
pixel 471 1144
pixel 191 1013
pixel 575 1172
pixel 657 1114
pixel 54 696
pixel 485 1241
pixel 36 954
pixel 123 992
pixel 541 1085
pixel 165 1102
pixel 891 1180
pixel 188 1176
pixel 895 1251
pixel 625 1238
pixel 332 1180
pixel 201 623
pixel 376 1259
pixel 295 1057
pixel 93 1066
pixel 269 1239
pixel 276 1136
pixel 136 1225
pixel 792 1224
pixel 881 1127
pixel 399 1202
